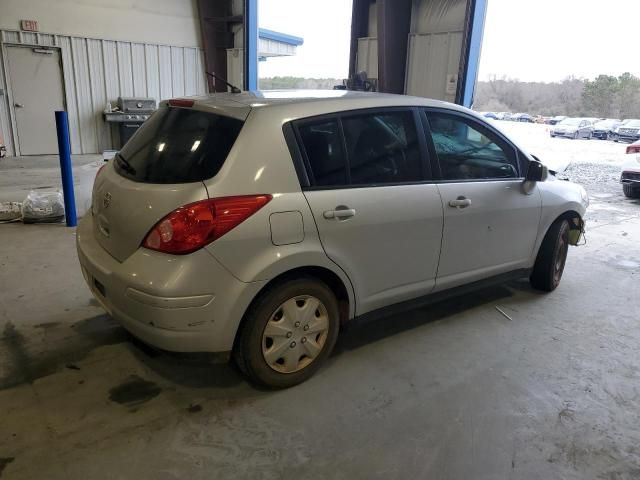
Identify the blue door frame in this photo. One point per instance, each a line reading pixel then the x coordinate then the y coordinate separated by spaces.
pixel 251 44
pixel 474 46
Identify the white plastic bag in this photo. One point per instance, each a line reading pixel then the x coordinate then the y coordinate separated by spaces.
pixel 10 211
pixel 43 207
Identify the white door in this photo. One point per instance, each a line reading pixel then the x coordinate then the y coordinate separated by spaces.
pixel 490 224
pixel 377 218
pixel 36 85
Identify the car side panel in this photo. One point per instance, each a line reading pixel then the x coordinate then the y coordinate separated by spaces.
pixel 558 197
pixel 250 254
pixel 495 234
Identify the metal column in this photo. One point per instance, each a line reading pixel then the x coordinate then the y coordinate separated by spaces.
pixel 475 32
pixel 251 44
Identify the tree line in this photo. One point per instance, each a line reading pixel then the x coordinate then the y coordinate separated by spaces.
pixel 606 96
pixel 279 83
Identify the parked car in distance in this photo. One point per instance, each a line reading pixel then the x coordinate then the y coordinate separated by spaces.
pixel 603 129
pixel 630 177
pixel 522 117
pixel 556 119
pixel 258 223
pixel 503 115
pixel 490 115
pixel 629 131
pixel 572 128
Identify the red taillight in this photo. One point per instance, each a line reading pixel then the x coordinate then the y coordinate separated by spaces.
pixel 180 102
pixel 195 225
pixel 633 148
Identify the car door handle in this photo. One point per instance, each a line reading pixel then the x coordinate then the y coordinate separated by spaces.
pixel 339 213
pixel 460 202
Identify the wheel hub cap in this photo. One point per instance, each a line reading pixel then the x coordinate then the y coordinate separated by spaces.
pixel 295 334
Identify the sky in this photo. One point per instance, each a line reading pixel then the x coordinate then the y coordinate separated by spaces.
pixel 326 29
pixel 531 40
pixel 548 40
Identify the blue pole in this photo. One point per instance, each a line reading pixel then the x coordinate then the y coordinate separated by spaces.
pixel 251 45
pixel 479 13
pixel 64 149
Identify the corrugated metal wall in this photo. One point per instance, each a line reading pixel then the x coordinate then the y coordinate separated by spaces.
pixel 367 59
pixel 433 60
pixel 99 71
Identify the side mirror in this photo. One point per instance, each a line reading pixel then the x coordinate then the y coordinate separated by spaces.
pixel 536 172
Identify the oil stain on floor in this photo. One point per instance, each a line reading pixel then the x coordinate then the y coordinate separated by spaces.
pixel 4 462
pixel 134 391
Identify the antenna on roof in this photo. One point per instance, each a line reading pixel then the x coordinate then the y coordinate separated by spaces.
pixel 233 88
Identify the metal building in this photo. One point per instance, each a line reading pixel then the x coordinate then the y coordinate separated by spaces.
pixel 428 48
pixel 420 47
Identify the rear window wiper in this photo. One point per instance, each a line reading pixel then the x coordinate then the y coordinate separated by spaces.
pixel 125 164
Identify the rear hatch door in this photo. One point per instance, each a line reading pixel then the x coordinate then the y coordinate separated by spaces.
pixel 159 170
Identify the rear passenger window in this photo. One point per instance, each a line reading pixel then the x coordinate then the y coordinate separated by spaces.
pixel 323 145
pixel 381 148
pixel 466 150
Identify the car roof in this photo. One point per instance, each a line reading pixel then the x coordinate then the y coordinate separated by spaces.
pixel 239 104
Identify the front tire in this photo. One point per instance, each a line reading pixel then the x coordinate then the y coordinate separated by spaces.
pixel 629 191
pixel 288 333
pixel 552 256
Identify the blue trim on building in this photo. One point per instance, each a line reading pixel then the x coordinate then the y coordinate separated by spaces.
pixel 251 45
pixel 473 52
pixel 280 37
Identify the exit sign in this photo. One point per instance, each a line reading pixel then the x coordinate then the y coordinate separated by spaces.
pixel 29 25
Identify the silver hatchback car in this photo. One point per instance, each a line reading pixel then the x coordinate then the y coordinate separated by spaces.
pixel 259 223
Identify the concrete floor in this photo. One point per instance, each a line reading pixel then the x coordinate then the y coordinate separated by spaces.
pixel 454 391
pixel 20 175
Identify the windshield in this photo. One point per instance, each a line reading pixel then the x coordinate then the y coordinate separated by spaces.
pixel 178 145
pixel 571 121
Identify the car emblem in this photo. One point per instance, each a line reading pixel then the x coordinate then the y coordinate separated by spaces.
pixel 106 200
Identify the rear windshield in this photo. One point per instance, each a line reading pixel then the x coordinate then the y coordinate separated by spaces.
pixel 178 145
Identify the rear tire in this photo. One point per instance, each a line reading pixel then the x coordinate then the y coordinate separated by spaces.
pixel 629 191
pixel 550 262
pixel 274 348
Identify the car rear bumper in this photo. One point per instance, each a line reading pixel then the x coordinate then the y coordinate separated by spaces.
pixel 631 177
pixel 186 303
pixel 562 134
pixel 628 138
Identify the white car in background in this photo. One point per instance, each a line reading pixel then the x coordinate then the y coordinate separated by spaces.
pixel 572 128
pixel 630 177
